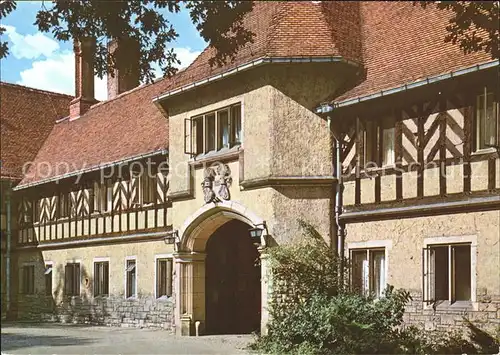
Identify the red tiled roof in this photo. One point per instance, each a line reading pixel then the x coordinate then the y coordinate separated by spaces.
pixel 27 116
pixel 402 43
pixel 289 29
pixel 396 42
pixel 127 126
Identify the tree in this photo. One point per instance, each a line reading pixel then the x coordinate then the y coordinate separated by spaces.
pixel 474 25
pixel 146 23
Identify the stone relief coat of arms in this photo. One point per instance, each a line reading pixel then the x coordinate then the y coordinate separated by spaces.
pixel 216 182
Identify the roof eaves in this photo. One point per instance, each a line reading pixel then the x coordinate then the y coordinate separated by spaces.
pixel 252 64
pixel 92 168
pixel 328 107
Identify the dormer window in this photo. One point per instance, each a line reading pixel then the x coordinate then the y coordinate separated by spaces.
pixel 487 121
pixel 213 131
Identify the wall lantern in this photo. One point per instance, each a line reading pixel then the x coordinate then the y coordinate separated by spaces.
pixel 173 238
pixel 256 234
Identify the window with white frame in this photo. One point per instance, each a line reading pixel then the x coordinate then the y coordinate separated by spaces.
pixel 131 278
pixel 101 278
pixel 28 279
pixel 487 120
pixel 368 271
pixel 164 279
pixel 48 279
pixel 378 138
pixel 447 273
pixel 213 131
pixel 72 279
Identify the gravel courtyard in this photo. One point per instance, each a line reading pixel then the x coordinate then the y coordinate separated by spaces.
pixel 19 338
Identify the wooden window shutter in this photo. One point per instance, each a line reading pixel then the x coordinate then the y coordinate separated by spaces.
pixel 76 279
pixel 188 136
pixel 169 280
pixel 68 275
pixel 106 278
pixel 428 275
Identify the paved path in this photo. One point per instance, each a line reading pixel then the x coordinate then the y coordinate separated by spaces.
pixel 18 338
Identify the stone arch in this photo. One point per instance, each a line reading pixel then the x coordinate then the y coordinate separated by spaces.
pixel 190 260
pixel 204 222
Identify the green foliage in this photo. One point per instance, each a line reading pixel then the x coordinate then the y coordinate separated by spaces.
pixel 474 25
pixel 311 312
pixel 144 22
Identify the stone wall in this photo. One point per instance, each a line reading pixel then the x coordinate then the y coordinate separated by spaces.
pixel 485 314
pixel 112 311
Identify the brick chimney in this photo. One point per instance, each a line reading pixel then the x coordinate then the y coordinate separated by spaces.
pixel 125 76
pixel 84 78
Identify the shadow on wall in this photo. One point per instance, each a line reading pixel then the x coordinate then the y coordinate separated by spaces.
pixel 78 309
pixel 60 307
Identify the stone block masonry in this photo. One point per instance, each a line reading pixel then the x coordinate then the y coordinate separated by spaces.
pixel 447 318
pixel 145 312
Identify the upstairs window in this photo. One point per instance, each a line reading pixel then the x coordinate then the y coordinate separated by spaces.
pixel 213 131
pixel 36 210
pixel 64 205
pixel 378 140
pixel 447 273
pixel 487 120
pixel 368 271
pixel 102 196
pixel 148 187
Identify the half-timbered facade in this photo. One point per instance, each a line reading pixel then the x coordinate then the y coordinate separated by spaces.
pixel 142 215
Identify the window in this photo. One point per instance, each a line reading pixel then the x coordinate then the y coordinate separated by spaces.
pixel 447 273
pixel 72 279
pixel 36 210
pixel 148 188
pixel 368 271
pixel 131 279
pixel 100 196
pixel 379 139
pixel 28 279
pixel 164 277
pixel 48 279
pixel 64 205
pixel 214 131
pixel 487 121
pixel 101 278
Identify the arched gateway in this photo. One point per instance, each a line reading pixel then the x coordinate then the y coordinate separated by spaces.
pixel 218 272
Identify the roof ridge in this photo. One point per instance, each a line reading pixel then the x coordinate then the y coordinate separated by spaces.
pixel 41 91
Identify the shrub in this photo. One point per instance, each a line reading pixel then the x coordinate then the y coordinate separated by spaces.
pixel 312 312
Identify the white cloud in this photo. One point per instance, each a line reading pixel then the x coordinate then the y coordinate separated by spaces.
pixel 57 72
pixel 186 56
pixel 30 46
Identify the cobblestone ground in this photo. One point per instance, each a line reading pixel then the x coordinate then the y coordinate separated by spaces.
pixel 18 338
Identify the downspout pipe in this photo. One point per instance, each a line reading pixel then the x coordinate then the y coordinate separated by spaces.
pixel 8 251
pixel 339 201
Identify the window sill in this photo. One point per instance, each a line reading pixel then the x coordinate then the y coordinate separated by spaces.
pixel 457 305
pixel 225 154
pixel 484 151
pixel 164 298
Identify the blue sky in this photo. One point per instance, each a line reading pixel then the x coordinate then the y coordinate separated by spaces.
pixel 37 60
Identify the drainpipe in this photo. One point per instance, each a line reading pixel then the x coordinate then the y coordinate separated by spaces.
pixel 8 252
pixel 339 190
